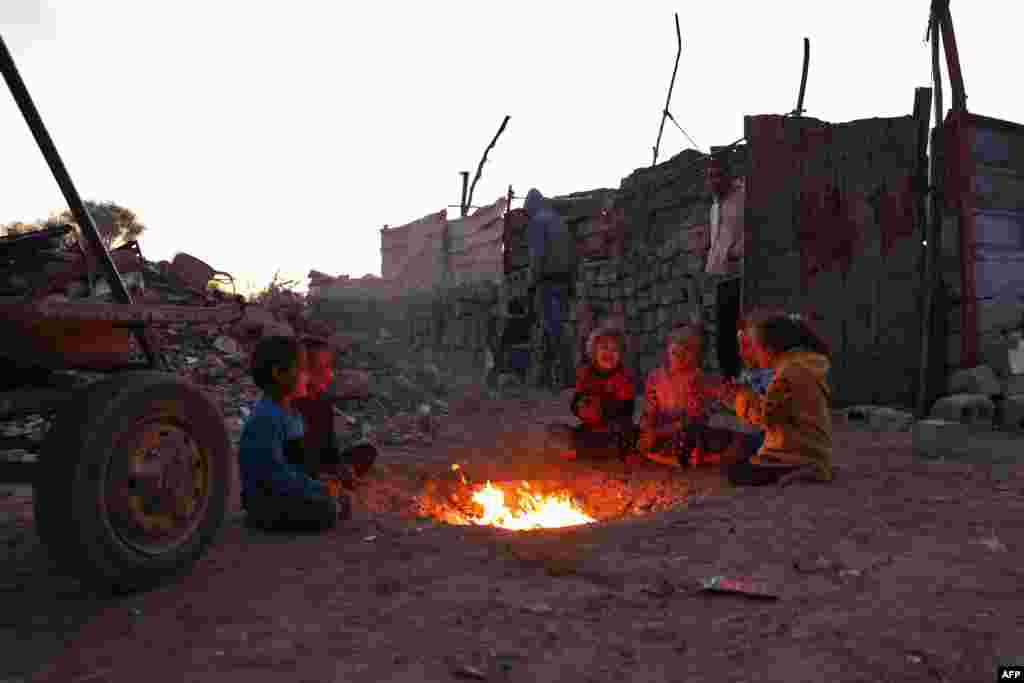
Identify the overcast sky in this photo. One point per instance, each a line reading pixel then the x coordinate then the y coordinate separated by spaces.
pixel 260 136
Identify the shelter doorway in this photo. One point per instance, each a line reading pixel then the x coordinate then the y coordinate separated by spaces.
pixel 727 315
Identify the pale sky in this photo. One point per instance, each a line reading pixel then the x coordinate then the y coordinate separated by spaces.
pixel 265 136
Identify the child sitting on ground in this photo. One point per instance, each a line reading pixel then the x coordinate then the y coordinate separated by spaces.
pixel 795 411
pixel 275 493
pixel 674 424
pixel 758 379
pixel 321 456
pixel 603 402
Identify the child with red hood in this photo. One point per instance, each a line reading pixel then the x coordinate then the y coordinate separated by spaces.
pixel 603 402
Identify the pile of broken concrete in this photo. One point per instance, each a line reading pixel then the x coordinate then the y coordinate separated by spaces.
pixel 375 399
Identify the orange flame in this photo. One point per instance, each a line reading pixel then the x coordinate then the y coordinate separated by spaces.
pixel 535 511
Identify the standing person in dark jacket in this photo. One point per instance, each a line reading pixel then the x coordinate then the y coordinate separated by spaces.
pixel 551 264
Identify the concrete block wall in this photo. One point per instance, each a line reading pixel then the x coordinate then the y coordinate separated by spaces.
pixel 654 292
pixel 659 282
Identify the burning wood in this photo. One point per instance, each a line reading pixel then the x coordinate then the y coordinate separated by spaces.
pixel 530 511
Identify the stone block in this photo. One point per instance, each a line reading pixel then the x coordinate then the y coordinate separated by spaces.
pixel 1013 414
pixel 1013 384
pixel 977 380
pixel 880 418
pixel 971 409
pixel 939 439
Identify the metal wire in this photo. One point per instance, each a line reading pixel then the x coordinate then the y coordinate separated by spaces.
pixel 673 120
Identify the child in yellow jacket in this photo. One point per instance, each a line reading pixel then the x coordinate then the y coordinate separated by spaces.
pixel 796 410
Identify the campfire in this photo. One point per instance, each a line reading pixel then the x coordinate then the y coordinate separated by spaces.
pixel 529 510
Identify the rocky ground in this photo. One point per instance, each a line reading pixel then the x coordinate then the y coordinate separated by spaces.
pixel 898 570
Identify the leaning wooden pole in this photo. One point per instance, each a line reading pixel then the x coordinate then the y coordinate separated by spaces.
pixel 922 106
pixel 483 160
pixel 671 85
pixel 799 111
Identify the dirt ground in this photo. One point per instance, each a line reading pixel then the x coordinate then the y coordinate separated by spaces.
pixel 897 571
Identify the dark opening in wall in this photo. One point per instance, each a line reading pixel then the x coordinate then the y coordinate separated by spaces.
pixel 727 316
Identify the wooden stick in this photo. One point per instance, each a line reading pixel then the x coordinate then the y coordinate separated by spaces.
pixel 922 103
pixel 483 160
pixel 671 84
pixel 799 111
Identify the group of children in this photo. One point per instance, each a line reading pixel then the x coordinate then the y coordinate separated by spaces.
pixel 784 396
pixel 292 469
pixel 294 472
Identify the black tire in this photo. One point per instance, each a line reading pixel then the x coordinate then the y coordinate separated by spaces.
pixel 73 494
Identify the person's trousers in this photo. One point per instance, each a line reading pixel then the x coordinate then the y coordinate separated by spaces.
pixel 551 302
pixel 710 440
pixel 295 512
pixel 589 444
pixel 746 473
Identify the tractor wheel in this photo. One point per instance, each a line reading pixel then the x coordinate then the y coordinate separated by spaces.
pixel 134 479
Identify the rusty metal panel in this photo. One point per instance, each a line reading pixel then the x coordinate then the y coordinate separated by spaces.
pixel 47 309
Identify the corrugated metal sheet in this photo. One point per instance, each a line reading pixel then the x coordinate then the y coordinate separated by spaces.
pixel 999 225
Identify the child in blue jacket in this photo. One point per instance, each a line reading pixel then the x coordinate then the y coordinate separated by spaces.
pixel 276 493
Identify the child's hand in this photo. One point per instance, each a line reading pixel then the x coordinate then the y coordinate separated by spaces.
pixel 646 441
pixel 589 409
pixel 728 391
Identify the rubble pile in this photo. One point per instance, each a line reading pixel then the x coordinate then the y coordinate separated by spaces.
pixel 376 398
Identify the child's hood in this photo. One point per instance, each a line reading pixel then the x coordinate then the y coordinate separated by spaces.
pixel 817 363
pixel 607 331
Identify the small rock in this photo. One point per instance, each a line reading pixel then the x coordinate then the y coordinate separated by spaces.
pixel 970 409
pixel 539 608
pixel 978 380
pixel 938 439
pixel 227 345
pixel 661 588
pixel 1013 413
pixel 993 544
pixel 467 671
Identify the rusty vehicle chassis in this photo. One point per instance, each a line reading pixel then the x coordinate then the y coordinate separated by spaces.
pixel 20 317
pixel 48 397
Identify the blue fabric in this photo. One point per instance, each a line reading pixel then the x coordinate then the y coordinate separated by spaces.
pixel 519 360
pixel 552 301
pixel 760 379
pixel 261 453
pixel 547 238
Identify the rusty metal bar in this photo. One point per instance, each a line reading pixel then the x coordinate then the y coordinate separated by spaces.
pixel 17 308
pixel 35 123
pixel 956 77
pixel 962 127
pixel 671 85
